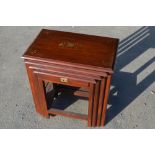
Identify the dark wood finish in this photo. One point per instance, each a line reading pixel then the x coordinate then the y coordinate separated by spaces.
pixel 89 73
pixel 105 100
pixel 76 60
pixel 35 91
pixel 95 104
pixel 101 97
pixel 68 73
pixel 42 96
pixel 90 106
pixel 75 65
pixel 74 48
pixel 72 81
pixel 69 68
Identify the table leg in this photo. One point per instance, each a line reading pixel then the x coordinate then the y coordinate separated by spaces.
pixel 33 84
pixel 42 97
pixel 101 98
pixel 108 81
pixel 90 105
pixel 95 103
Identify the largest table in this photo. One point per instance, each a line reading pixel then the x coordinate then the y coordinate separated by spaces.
pixel 71 59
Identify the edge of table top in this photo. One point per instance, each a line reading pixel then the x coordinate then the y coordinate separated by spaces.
pixel 50 61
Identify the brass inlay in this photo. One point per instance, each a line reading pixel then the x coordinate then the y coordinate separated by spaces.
pixel 68 44
pixel 34 51
pixel 63 79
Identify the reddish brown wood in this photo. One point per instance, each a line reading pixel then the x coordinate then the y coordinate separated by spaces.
pixel 74 48
pixel 95 103
pixel 42 97
pixel 76 60
pixel 42 77
pixel 90 106
pixel 33 89
pixel 72 81
pixel 52 110
pixel 63 72
pixel 101 98
pixel 105 100
pixel 67 69
pixel 57 64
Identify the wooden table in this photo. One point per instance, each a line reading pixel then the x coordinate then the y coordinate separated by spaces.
pixel 71 59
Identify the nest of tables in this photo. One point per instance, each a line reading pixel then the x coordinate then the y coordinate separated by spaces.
pixel 72 60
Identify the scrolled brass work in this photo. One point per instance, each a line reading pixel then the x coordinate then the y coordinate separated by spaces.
pixel 68 44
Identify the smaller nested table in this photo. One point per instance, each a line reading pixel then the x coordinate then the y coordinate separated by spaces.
pixel 71 60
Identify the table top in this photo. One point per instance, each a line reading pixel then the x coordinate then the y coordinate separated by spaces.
pixel 74 48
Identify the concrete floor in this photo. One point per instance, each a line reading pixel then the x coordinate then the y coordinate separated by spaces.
pixel 132 95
